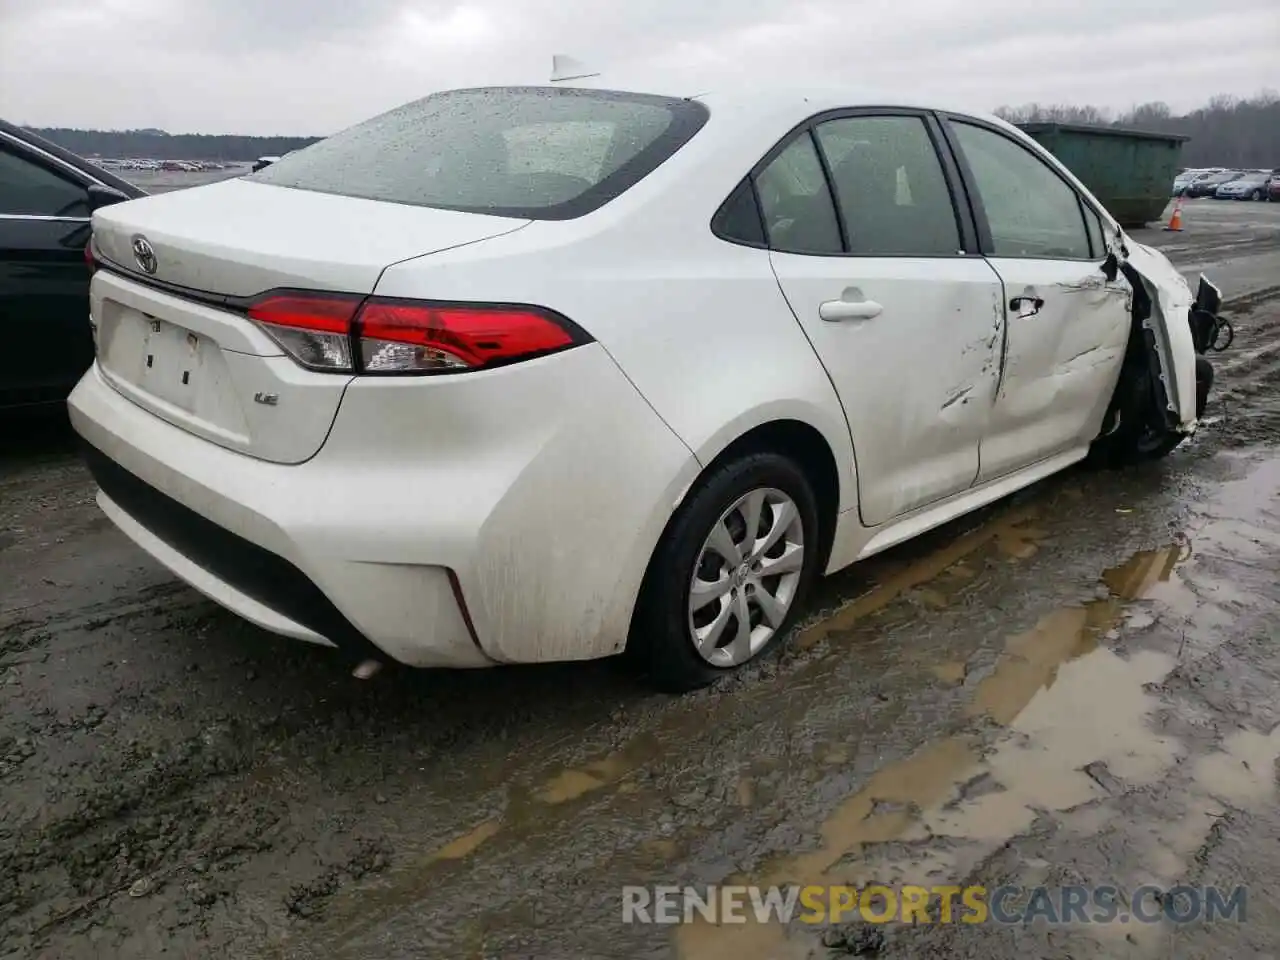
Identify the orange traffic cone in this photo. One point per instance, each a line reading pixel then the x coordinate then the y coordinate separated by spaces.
pixel 1175 218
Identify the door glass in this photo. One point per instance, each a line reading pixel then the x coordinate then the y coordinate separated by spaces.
pixel 796 201
pixel 1032 211
pixel 890 187
pixel 1097 237
pixel 27 188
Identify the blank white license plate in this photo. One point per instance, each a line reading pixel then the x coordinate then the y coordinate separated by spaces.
pixel 171 361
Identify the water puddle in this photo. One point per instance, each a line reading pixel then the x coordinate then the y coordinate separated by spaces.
pixel 1076 728
pixel 1031 660
pixel 1244 772
pixel 1150 574
pixel 572 784
pixel 530 811
pixel 467 844
pixel 1083 736
pixel 1244 528
pixel 1019 542
pixel 663 850
pixel 1011 534
pixel 952 672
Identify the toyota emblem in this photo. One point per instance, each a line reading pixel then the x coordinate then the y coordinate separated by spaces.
pixel 145 254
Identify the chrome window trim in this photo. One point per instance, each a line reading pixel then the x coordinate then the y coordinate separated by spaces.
pixel 42 219
pixel 57 161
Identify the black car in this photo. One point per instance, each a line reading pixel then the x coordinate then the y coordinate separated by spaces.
pixel 47 195
pixel 1209 185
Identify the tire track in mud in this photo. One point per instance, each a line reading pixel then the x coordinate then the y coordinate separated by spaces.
pixel 23 632
pixel 105 783
pixel 1224 249
pixel 102 798
pixel 101 840
pixel 1244 406
pixel 151 799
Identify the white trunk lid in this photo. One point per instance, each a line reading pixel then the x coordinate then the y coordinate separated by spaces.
pixel 177 342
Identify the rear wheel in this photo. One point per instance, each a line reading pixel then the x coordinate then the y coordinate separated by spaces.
pixel 730 573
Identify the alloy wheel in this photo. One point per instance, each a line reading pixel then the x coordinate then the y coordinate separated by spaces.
pixel 746 577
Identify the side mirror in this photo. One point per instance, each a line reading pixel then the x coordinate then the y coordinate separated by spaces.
pixel 103 196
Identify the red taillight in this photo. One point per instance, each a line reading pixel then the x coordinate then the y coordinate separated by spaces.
pixel 400 336
pixel 314 329
pixel 89 260
pixel 376 336
pixel 316 313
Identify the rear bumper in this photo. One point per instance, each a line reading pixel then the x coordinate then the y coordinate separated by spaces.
pixel 207 582
pixel 259 585
pixel 536 499
pixel 222 522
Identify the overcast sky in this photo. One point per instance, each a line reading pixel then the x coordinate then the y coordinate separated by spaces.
pixel 315 66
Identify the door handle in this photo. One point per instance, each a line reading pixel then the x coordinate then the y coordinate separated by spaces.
pixel 1032 306
pixel 835 310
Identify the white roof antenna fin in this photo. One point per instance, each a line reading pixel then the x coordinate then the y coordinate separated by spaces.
pixel 567 68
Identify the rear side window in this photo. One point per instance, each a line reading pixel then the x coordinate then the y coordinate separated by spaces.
pixel 528 152
pixel 799 215
pixel 1032 212
pixel 890 187
pixel 28 189
pixel 738 218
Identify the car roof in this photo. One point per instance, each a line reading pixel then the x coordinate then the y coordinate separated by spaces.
pixel 794 101
pixel 810 100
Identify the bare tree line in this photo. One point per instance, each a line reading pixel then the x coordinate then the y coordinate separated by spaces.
pixel 158 145
pixel 1226 132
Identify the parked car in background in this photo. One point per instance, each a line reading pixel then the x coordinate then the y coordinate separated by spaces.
pixel 1247 186
pixel 1207 186
pixel 1273 188
pixel 1185 179
pixel 262 163
pixel 47 195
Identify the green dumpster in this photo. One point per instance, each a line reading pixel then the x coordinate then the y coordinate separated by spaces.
pixel 1130 171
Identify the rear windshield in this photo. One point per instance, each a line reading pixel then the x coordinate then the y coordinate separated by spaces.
pixel 531 152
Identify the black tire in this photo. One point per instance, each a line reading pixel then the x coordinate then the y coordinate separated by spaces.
pixel 660 645
pixel 1257 195
pixel 1136 439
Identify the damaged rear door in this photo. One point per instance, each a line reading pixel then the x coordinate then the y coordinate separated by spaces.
pixel 1066 325
pixel 882 272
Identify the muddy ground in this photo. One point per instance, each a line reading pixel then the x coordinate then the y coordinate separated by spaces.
pixel 1078 685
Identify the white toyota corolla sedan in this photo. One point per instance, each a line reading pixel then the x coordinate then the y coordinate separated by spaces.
pixel 523 374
